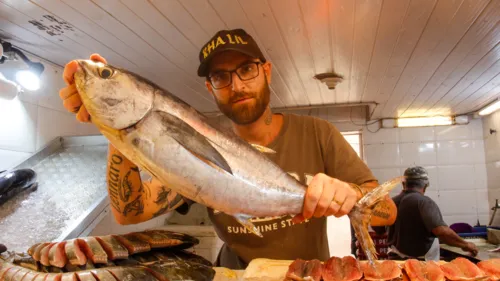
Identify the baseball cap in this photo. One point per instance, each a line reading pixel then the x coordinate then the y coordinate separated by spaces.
pixel 224 40
pixel 416 172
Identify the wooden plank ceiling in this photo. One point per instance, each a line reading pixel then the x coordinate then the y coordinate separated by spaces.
pixel 412 58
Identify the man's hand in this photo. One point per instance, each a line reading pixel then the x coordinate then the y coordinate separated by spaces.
pixel 471 248
pixel 71 99
pixel 326 196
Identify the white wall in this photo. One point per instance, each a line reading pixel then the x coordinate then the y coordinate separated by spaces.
pixel 454 157
pixel 492 155
pixel 31 120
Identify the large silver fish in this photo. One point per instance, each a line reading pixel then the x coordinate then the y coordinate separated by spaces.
pixel 172 141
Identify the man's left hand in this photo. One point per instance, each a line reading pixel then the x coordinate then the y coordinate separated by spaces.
pixel 327 196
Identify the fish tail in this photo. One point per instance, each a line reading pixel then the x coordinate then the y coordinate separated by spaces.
pixel 361 213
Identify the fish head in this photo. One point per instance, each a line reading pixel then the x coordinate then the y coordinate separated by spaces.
pixel 113 96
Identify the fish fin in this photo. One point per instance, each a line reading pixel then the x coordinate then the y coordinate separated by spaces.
pixel 245 221
pixel 263 149
pixel 360 219
pixel 193 141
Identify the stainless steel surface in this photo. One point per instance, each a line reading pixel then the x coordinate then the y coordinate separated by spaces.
pixel 482 245
pixel 71 175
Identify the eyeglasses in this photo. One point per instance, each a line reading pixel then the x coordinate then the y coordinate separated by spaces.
pixel 222 79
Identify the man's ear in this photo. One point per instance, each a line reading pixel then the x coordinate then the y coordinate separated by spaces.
pixel 267 71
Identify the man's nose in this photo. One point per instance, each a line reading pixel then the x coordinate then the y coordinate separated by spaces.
pixel 237 83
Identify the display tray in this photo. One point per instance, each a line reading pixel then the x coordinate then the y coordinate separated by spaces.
pixel 71 194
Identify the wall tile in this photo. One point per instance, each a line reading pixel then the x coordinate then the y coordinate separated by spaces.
pixel 67 125
pixel 480 176
pixel 9 158
pixel 17 125
pixel 386 174
pixel 491 148
pixel 457 202
pixel 382 155
pixel 421 134
pixel 476 127
pixel 470 219
pixel 432 171
pixel 434 195
pixel 493 173
pixel 382 136
pixel 460 152
pixel 456 177
pixel 418 154
pixel 462 132
pixel 482 201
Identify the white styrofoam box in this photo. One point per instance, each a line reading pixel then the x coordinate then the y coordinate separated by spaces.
pixel 9 158
pixel 18 125
pixel 339 236
pixel 432 172
pixel 382 136
pixel 382 155
pixel 419 134
pixel 52 123
pixel 493 173
pixel 418 154
pixel 480 176
pixel 470 219
pixel 457 202
pixel 433 194
pixel 483 204
pixel 458 132
pixel 460 152
pixel 456 177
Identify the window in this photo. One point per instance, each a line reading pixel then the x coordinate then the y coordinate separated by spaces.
pixel 354 139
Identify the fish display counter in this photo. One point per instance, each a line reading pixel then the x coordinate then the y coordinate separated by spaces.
pixel 70 196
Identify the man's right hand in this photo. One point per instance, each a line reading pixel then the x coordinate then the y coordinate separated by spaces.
pixel 70 96
pixel 471 248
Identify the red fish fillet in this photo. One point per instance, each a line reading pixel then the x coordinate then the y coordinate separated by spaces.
pixel 423 271
pixel 57 255
pixel 304 270
pixel 38 250
pixel 93 250
pixel 10 273
pixel 70 276
pixel 112 247
pixel 31 275
pixel 341 269
pixel 133 244
pixel 104 275
pixel 74 253
pixel 54 277
pixel 20 274
pixel 461 269
pixel 41 277
pixel 490 268
pixel 44 254
pixel 381 270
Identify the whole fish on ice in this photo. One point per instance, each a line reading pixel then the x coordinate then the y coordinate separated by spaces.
pixel 172 141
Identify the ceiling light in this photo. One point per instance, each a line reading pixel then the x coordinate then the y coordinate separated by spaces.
pixel 8 89
pixel 425 121
pixel 330 79
pixel 490 108
pixel 28 79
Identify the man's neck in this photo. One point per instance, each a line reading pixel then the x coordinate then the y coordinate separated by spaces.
pixel 263 131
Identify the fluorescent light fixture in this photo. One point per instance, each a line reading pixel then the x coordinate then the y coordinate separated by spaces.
pixel 490 108
pixel 425 121
pixel 28 80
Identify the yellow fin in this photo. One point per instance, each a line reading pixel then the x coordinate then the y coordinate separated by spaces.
pixel 263 149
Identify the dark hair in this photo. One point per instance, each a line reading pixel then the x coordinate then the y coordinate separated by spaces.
pixel 416 183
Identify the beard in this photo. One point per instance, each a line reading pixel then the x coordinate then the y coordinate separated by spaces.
pixel 248 112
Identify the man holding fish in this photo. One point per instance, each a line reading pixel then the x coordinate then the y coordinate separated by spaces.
pixel 310 149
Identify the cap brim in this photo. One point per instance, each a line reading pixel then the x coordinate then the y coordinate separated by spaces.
pixel 203 68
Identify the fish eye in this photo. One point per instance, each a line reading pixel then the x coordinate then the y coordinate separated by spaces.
pixel 105 72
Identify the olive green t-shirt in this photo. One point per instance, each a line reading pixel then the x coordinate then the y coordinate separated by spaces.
pixel 304 147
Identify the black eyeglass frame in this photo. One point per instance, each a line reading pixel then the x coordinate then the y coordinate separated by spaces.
pixel 235 71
